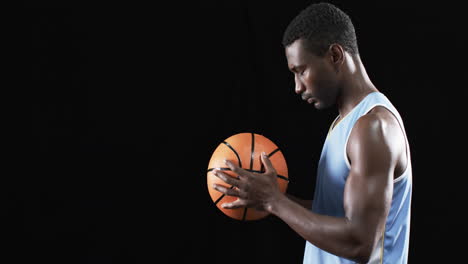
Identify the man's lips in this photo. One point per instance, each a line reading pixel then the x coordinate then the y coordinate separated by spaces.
pixel 307 98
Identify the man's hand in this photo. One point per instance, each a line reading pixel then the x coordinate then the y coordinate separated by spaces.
pixel 256 190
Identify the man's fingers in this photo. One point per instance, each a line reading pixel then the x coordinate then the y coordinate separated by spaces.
pixel 267 163
pixel 238 170
pixel 227 191
pixel 239 203
pixel 226 178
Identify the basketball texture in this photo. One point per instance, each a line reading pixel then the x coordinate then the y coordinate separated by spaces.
pixel 245 150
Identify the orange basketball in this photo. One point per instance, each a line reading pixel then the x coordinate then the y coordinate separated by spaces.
pixel 244 149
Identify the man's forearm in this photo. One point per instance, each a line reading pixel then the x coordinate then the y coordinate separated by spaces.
pixel 332 234
pixel 305 203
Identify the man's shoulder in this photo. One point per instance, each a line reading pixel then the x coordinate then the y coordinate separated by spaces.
pixel 378 128
pixel 378 117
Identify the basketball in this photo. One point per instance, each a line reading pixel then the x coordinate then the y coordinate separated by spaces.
pixel 244 149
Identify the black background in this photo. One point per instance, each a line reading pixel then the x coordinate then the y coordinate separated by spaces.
pixel 128 104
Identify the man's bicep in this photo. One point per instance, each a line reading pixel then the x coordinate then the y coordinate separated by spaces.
pixel 369 186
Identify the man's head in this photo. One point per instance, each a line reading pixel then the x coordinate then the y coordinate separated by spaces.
pixel 317 42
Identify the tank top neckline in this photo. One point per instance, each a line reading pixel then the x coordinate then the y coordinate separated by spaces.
pixel 335 123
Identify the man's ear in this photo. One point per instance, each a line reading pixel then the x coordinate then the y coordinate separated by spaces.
pixel 337 54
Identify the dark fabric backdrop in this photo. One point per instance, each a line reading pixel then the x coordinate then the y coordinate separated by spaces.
pixel 127 105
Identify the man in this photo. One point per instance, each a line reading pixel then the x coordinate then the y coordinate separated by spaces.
pixel 361 207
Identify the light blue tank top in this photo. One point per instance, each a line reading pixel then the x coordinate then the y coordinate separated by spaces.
pixel 333 170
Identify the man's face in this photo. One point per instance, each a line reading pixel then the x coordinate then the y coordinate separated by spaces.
pixel 315 78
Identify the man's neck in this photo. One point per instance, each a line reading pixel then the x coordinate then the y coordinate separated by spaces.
pixel 356 87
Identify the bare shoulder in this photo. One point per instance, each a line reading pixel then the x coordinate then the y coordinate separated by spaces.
pixel 379 123
pixel 377 134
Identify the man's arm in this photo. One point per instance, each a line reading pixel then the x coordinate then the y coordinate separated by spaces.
pixel 304 203
pixel 373 150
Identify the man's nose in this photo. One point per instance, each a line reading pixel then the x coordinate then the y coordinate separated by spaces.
pixel 299 86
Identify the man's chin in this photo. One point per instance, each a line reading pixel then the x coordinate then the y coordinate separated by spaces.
pixel 314 102
pixel 319 105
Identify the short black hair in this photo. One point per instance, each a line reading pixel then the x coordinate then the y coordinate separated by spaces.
pixel 322 24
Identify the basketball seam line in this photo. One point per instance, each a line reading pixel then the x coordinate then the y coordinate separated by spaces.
pixel 251 155
pixel 222 196
pixel 252 151
pixel 235 152
pixel 262 168
pixel 273 152
pixel 245 214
